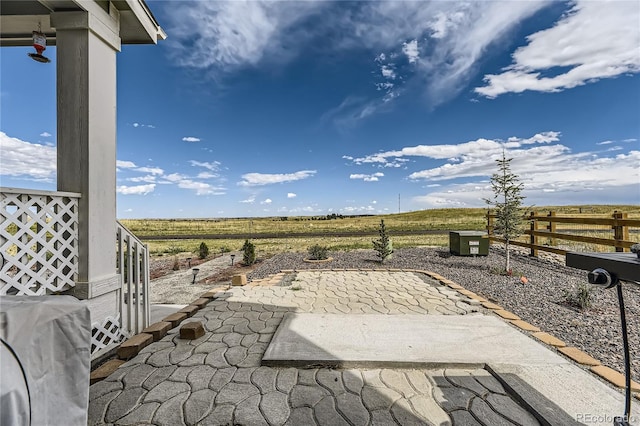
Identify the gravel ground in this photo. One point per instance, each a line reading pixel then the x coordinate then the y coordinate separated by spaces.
pixel 541 301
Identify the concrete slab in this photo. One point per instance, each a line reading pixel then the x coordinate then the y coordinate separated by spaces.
pixel 579 394
pixel 370 340
pixel 554 388
pixel 160 311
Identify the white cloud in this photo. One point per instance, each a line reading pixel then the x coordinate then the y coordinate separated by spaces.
pixel 576 179
pixel 595 40
pixel 227 35
pixel 478 148
pixel 388 72
pixel 386 86
pixel 207 175
pixel 353 109
pixel 367 178
pixel 147 179
pixel 358 209
pixel 45 134
pixel 174 177
pixel 609 142
pixel 410 49
pixel 249 200
pixel 125 164
pixel 258 179
pixel 224 36
pixel 213 166
pixel 266 201
pixel 200 188
pixel 190 139
pixel 456 36
pixel 152 170
pixel 26 159
pixel 150 126
pixel 543 164
pixel 136 190
pixel 291 195
pixel 482 163
pixel 443 22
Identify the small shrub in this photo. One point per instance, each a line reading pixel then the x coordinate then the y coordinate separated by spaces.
pixel 176 264
pixel 249 250
pixel 580 298
pixel 203 250
pixel 501 271
pixel 173 249
pixel 318 252
pixel 383 244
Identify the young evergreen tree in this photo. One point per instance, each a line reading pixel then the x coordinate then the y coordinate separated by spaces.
pixel 383 244
pixel 507 202
pixel 203 250
pixel 249 253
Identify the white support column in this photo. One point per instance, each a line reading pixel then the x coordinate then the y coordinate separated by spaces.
pixel 86 97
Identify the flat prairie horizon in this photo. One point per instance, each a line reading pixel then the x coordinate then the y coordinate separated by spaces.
pixel 586 209
pixel 297 233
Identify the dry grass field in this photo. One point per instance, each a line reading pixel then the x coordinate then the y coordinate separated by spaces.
pixel 273 235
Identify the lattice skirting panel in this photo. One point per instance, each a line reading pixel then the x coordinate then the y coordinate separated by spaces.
pixel 38 242
pixel 106 333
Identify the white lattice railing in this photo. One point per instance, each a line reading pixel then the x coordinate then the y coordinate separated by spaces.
pixel 132 259
pixel 133 267
pixel 39 249
pixel 38 241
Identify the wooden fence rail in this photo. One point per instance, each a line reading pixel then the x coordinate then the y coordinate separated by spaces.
pixel 546 226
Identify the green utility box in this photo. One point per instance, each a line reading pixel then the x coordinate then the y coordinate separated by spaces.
pixel 468 243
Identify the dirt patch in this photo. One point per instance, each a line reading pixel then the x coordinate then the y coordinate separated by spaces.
pixel 163 265
pixel 225 275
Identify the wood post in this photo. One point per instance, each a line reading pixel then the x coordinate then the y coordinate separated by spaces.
pixel 620 232
pixel 552 228
pixel 533 238
pixel 489 223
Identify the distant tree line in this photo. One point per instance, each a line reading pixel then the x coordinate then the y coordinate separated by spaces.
pixel 331 216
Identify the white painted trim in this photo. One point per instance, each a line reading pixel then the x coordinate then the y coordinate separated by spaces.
pixel 8 190
pixel 106 31
pixel 146 19
pixel 90 290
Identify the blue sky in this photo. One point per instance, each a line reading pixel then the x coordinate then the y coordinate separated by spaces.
pixel 307 108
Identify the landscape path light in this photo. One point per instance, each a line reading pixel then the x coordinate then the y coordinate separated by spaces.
pixel 233 256
pixel 608 270
pixel 194 271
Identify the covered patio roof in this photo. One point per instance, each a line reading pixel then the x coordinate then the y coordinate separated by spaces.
pixel 19 18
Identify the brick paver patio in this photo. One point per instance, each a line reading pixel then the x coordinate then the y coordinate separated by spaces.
pixel 217 379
